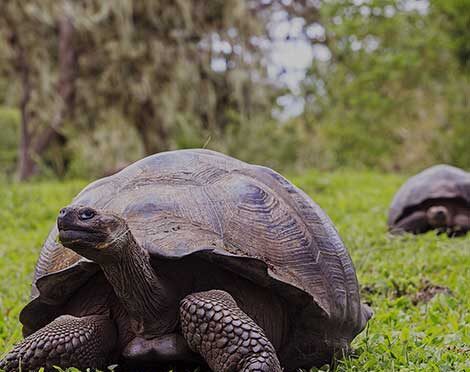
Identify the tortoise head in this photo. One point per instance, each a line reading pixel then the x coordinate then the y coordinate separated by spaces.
pixel 97 235
pixel 438 216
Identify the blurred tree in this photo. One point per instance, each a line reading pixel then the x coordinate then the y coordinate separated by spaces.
pixel 170 65
pixel 456 14
pixel 162 66
pixel 455 21
pixel 40 50
pixel 153 61
pixel 116 80
pixel 9 124
pixel 385 97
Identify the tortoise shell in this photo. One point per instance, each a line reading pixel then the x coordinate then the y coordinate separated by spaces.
pixel 437 182
pixel 246 218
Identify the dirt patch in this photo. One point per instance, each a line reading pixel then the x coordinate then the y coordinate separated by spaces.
pixel 428 291
pixel 419 292
pixel 460 350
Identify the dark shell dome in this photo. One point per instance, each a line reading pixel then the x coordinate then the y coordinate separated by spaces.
pixel 437 182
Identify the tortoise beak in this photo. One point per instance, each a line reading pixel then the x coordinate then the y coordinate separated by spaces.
pixel 65 218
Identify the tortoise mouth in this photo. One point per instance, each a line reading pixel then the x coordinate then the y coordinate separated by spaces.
pixel 69 224
pixel 73 237
pixel 63 227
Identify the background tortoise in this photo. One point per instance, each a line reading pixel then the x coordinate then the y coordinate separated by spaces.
pixel 194 244
pixel 436 198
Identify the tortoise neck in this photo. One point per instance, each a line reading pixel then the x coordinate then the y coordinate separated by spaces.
pixel 140 290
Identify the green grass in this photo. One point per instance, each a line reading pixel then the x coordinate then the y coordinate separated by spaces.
pixel 406 334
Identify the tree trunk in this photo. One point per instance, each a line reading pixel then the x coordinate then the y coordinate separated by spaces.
pixel 66 85
pixel 31 148
pixel 26 164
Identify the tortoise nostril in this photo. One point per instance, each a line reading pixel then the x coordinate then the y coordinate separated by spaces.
pixel 62 212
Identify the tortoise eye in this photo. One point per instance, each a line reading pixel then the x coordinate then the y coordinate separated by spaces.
pixel 86 214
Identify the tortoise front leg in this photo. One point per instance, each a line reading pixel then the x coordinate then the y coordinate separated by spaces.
pixel 66 342
pixel 461 223
pixel 416 223
pixel 227 338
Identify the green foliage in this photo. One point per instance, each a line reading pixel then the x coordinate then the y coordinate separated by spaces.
pixel 150 61
pixel 405 334
pixel 9 139
pixel 457 23
pixel 107 148
pixel 392 95
pixel 260 141
pixel 455 139
pixel 27 212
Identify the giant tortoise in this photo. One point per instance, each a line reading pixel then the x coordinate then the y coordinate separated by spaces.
pixel 191 254
pixel 436 198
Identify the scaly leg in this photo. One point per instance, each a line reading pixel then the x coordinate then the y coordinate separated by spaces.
pixel 416 223
pixel 227 338
pixel 66 342
pixel 461 223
